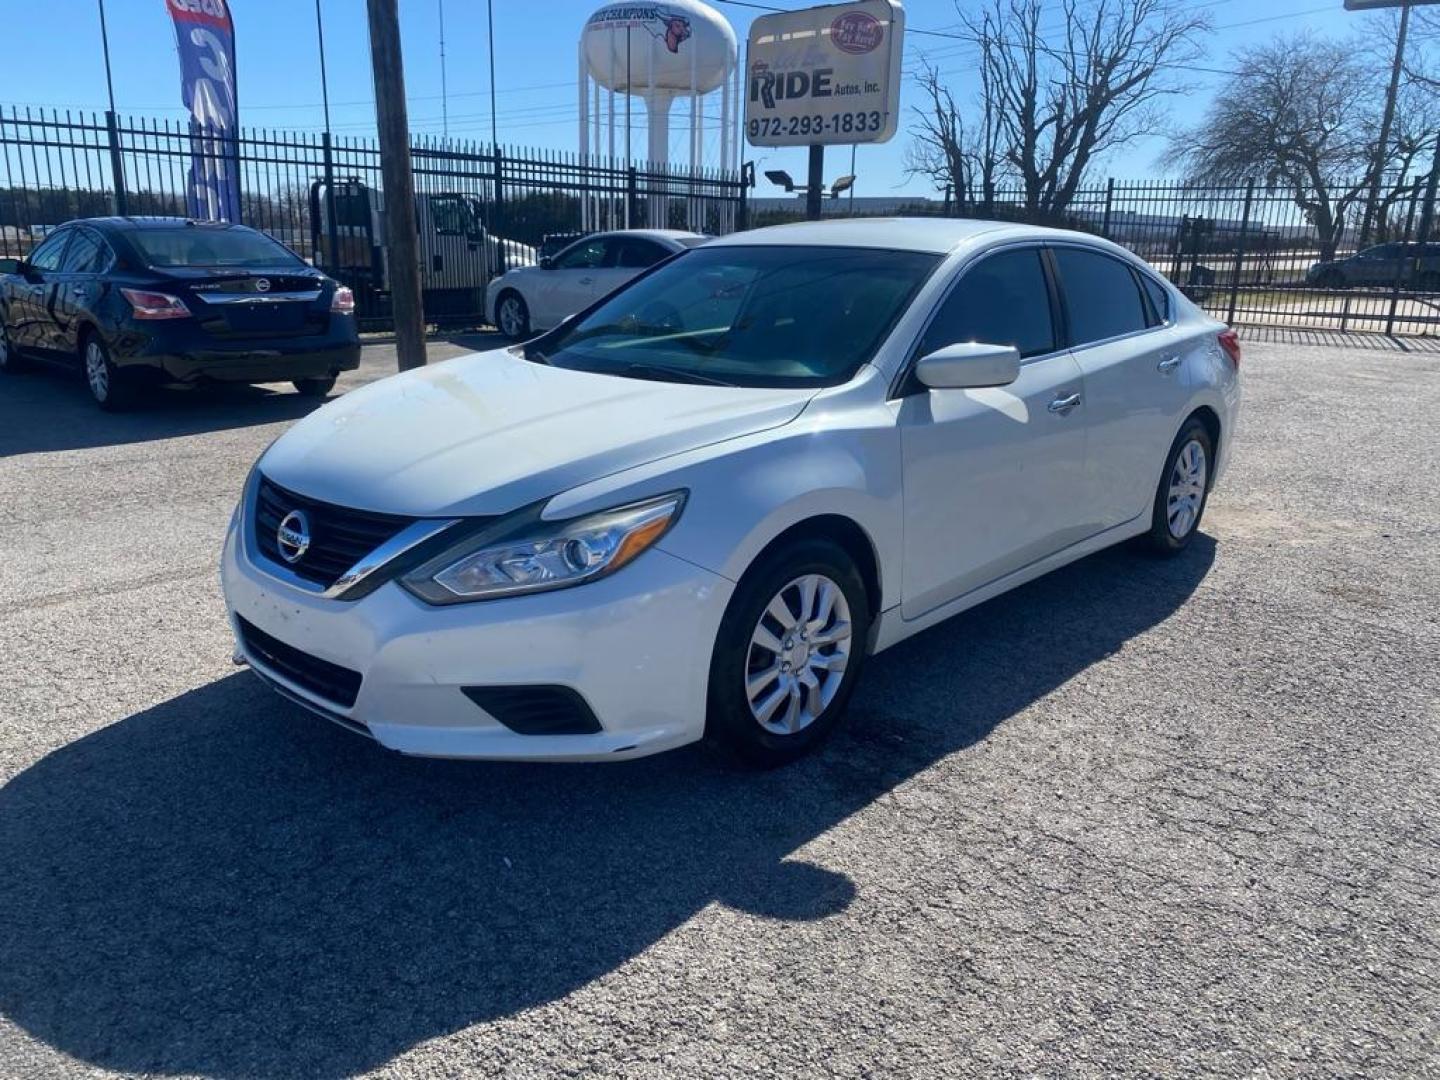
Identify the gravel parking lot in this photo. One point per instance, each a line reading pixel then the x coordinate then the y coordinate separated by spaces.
pixel 1137 818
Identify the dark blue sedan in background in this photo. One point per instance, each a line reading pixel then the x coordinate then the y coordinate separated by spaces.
pixel 135 302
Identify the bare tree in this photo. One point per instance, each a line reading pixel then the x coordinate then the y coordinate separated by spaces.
pixel 956 158
pixel 1053 100
pixel 1300 114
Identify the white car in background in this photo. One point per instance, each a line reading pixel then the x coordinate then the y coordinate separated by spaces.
pixel 697 509
pixel 529 299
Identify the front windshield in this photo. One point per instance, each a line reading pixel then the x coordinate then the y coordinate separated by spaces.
pixel 746 316
pixel 207 245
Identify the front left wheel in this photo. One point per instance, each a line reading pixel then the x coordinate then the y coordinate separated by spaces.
pixel 11 362
pixel 512 316
pixel 790 649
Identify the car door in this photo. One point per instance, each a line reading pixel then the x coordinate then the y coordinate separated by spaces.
pixel 568 284
pixel 1374 266
pixel 1133 359
pixel 30 322
pixel 992 477
pixel 77 287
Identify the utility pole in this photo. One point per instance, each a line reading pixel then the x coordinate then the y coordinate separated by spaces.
pixel 1389 115
pixel 401 238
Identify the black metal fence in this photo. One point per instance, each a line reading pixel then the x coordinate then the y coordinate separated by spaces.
pixel 479 209
pixel 1248 254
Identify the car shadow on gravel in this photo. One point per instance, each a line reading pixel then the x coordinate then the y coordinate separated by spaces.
pixel 50 409
pixel 223 885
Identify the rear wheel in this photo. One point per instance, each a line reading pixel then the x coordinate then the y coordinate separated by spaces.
pixel 108 388
pixel 315 388
pixel 11 362
pixel 788 654
pixel 1184 488
pixel 512 316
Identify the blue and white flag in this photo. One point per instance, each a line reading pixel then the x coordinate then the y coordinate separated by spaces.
pixel 205 38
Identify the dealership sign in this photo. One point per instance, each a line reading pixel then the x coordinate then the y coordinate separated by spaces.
pixel 825 75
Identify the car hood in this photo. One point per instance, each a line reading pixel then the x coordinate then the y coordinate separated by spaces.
pixel 490 432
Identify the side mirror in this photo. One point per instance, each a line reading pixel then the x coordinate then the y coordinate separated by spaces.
pixel 10 266
pixel 546 263
pixel 969 365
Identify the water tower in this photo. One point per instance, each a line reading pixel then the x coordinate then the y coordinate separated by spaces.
pixel 656 52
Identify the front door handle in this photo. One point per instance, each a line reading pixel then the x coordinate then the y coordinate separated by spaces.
pixel 1063 405
pixel 587 281
pixel 1168 365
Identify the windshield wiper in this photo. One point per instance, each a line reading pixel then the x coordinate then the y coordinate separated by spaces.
pixel 671 374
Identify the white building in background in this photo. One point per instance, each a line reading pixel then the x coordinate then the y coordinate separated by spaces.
pixel 660 53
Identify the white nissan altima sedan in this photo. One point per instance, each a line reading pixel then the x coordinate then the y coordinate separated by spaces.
pixel 696 508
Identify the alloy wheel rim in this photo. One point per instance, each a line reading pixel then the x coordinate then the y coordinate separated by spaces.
pixel 510 317
pixel 97 372
pixel 1187 489
pixel 798 654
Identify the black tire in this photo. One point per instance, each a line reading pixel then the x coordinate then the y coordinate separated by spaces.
pixel 1164 526
pixel 11 362
pixel 730 724
pixel 512 317
pixel 112 392
pixel 315 388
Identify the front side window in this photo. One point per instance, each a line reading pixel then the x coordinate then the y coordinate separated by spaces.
pixel 208 245
pixel 47 256
pixel 586 255
pixel 1101 296
pixel 1001 300
pixel 769 315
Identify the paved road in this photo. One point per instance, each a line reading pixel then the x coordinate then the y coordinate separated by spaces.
pixel 1138 818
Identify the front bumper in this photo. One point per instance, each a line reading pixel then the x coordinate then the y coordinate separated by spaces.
pixel 636 646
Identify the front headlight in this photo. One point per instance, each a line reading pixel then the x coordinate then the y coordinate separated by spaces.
pixel 545 555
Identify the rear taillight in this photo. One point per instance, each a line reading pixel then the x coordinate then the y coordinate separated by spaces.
pixel 155 305
pixel 1230 342
pixel 343 302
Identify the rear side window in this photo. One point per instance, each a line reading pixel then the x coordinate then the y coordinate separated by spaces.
pixel 637 254
pixel 1001 300
pixel 1159 300
pixel 1101 296
pixel 87 254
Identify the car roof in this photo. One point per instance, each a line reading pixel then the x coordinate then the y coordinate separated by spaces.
pixel 647 234
pixel 938 236
pixel 129 224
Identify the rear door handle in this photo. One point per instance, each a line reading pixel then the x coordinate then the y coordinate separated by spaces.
pixel 1168 365
pixel 1065 404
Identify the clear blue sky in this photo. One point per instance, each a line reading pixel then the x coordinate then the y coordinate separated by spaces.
pixel 52 58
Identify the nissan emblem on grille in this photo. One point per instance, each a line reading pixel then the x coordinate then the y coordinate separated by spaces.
pixel 263 285
pixel 293 536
